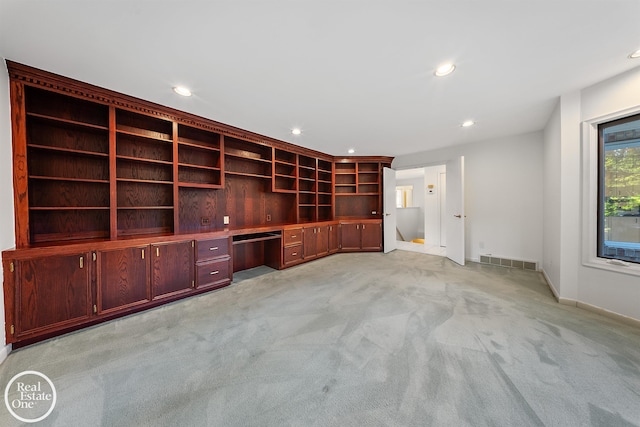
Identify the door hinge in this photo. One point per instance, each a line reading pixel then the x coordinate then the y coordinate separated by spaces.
pixel 12 267
pixel 81 262
pixel 13 329
pixel 95 308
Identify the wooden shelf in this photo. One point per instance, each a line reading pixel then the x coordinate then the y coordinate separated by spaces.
pixel 60 178
pixel 228 172
pixel 144 181
pixel 67 121
pixel 68 150
pixel 144 160
pixel 197 185
pixel 245 157
pixel 121 208
pixel 197 145
pixel 68 208
pixel 143 133
pixel 192 166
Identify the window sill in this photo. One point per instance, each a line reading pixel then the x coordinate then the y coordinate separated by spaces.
pixel 613 265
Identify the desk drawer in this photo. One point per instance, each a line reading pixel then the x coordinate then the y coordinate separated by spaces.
pixel 292 236
pixel 213 273
pixel 292 254
pixel 212 248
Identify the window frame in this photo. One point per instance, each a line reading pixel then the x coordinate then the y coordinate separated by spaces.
pixel 591 191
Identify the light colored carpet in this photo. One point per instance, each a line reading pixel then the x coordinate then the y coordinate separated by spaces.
pixel 403 339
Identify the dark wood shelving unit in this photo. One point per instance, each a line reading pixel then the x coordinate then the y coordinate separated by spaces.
pixel 285 171
pixel 120 204
pixel 144 174
pixel 67 150
pixel 358 187
pixel 244 158
pixel 199 158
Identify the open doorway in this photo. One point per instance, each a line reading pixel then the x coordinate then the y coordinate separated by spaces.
pixel 420 210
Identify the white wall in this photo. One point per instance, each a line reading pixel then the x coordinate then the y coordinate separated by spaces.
pixel 503 194
pixel 432 205
pixel 551 217
pixel 7 236
pixel 616 292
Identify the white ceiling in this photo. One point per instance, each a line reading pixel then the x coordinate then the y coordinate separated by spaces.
pixel 350 73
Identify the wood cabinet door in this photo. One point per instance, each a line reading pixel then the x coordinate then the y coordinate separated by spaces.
pixel 172 268
pixel 322 240
pixel 52 293
pixel 371 236
pixel 334 238
pixel 310 242
pixel 122 279
pixel 350 236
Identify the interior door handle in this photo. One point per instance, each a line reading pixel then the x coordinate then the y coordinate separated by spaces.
pixel 458 216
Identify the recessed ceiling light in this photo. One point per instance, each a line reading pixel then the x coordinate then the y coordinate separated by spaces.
pixel 296 131
pixel 181 90
pixel 468 123
pixel 351 150
pixel 635 54
pixel 445 69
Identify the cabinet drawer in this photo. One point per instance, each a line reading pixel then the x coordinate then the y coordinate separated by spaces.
pixel 213 273
pixel 212 248
pixel 292 236
pixel 292 254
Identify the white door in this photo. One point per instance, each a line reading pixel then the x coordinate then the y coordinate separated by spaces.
pixel 389 209
pixel 455 210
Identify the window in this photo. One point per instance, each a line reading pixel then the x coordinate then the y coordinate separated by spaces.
pixel 404 196
pixel 619 189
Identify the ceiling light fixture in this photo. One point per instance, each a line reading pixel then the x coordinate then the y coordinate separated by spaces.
pixel 444 70
pixel 351 150
pixel 468 123
pixel 296 131
pixel 181 90
pixel 635 54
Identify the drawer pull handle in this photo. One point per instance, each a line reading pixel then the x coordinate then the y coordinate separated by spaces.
pixel 294 254
pixel 215 248
pixel 214 272
pixel 293 236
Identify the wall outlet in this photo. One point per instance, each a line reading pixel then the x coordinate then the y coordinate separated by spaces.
pixel 268 217
pixel 205 220
pixel 225 219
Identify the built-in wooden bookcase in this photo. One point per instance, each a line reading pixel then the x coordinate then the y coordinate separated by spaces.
pixel 285 171
pixel 246 158
pixel 144 174
pixel 358 187
pixel 307 189
pixel 345 178
pixel 68 167
pixel 199 158
pixel 116 193
pixel 325 190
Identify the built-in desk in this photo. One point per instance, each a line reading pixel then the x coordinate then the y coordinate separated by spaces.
pixel 257 248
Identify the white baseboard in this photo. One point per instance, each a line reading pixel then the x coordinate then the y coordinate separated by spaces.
pixel 610 314
pixel 556 294
pixel 4 352
pixel 590 307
